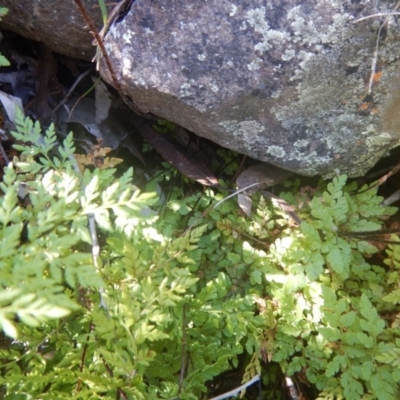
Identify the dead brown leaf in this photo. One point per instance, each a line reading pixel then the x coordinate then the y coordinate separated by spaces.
pixel 188 165
pixel 97 157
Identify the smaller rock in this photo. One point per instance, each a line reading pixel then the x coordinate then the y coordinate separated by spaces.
pixel 264 174
pixel 258 176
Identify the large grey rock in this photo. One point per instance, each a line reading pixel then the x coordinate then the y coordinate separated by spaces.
pixel 283 81
pixel 57 23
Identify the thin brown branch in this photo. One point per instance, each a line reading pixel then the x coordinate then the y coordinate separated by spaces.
pixel 183 350
pixel 70 91
pixel 376 52
pixel 375 15
pixel 382 180
pixel 4 154
pixel 107 60
pixel 120 392
pixel 370 233
pixel 240 169
pixel 83 356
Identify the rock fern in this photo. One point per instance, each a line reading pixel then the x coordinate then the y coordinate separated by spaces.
pixel 180 288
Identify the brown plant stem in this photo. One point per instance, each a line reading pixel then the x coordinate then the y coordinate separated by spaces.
pixel 100 43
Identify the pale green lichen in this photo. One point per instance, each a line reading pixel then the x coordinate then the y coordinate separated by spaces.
pixel 148 32
pixel 127 36
pixel 334 33
pixel 126 66
pixel 270 37
pixel 233 10
pixel 187 89
pixel 276 151
pixel 301 143
pixel 255 64
pixel 246 131
pixel 214 87
pixel 288 55
pixel 374 140
pixel 305 31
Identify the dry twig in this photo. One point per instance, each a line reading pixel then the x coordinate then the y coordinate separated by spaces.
pixel 107 60
pixel 375 58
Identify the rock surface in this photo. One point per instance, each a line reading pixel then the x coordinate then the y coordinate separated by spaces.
pixel 283 81
pixel 57 23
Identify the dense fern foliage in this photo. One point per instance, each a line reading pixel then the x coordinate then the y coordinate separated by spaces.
pixel 182 287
